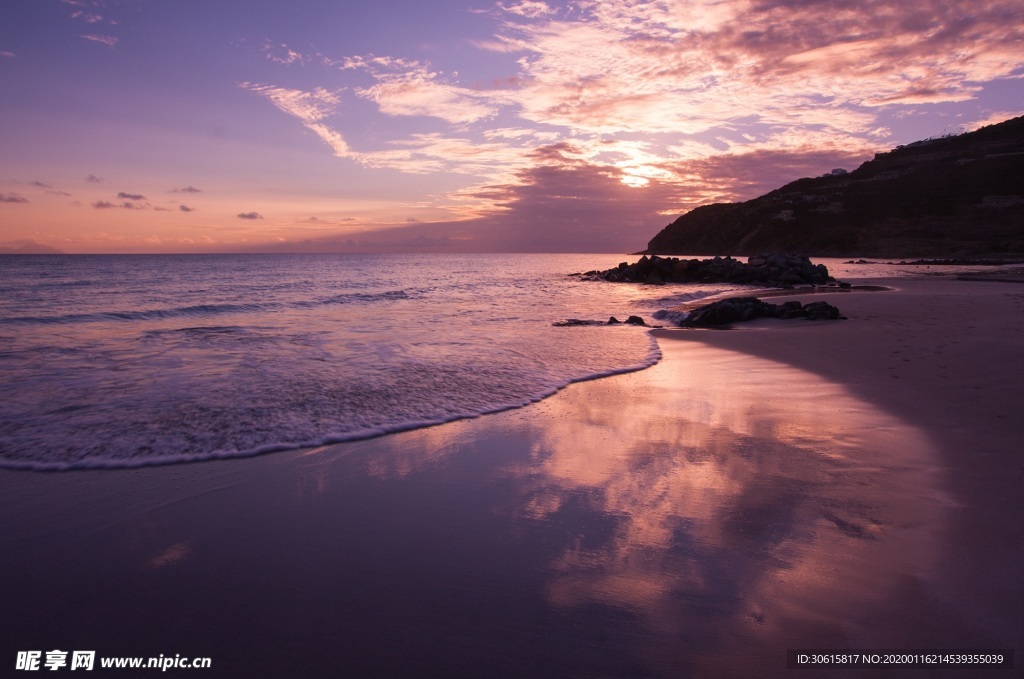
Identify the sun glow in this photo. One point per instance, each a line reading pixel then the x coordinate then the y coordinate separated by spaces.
pixel 639 175
pixel 635 181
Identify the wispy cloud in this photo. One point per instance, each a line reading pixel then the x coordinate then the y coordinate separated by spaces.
pixel 186 208
pixel 282 54
pixel 131 196
pixel 187 189
pixel 93 179
pixel 123 205
pixel 107 40
pixel 12 198
pixel 421 92
pixel 311 108
pixel 250 215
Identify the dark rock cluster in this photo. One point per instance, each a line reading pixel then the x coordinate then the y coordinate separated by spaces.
pixel 632 320
pixel 767 270
pixel 748 308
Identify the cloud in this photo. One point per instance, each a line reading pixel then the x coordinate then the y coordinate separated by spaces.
pixel 664 105
pixel 93 179
pixel 124 205
pixel 420 153
pixel 422 93
pixel 8 55
pixel 250 215
pixel 107 40
pixel 186 208
pixel 311 108
pixel 992 119
pixel 131 196
pixel 529 9
pixel 12 198
pixel 318 221
pixel 87 17
pixel 619 65
pixel 187 189
pixel 282 54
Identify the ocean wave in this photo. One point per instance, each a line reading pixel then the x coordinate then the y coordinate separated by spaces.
pixel 203 310
pixel 125 459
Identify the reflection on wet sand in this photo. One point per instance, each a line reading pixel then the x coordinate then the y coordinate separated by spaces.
pixel 745 496
pixel 694 519
pixel 735 506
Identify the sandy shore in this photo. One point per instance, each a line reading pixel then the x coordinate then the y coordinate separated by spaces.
pixel 946 357
pixel 853 484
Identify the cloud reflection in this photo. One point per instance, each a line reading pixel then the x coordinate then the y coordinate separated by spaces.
pixel 718 498
pixel 733 491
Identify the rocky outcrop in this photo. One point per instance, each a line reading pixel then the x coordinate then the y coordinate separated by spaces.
pixel 740 309
pixel 765 270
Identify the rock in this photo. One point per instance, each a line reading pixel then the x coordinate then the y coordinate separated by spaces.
pixel 574 321
pixel 821 311
pixel 570 322
pixel 766 270
pixel 740 309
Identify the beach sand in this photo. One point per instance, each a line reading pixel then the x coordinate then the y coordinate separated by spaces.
pixel 847 484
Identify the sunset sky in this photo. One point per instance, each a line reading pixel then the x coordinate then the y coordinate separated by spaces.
pixel 461 125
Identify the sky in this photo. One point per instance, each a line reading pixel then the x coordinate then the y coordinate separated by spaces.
pixel 461 125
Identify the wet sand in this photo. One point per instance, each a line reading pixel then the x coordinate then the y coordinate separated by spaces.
pixel 785 484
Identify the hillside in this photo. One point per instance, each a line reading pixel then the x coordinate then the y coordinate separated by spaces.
pixel 952 197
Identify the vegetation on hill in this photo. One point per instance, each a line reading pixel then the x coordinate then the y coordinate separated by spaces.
pixel 954 196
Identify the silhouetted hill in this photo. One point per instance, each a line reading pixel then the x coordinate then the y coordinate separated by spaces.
pixel 29 247
pixel 952 197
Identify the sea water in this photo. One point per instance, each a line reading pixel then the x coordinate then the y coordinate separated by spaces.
pixel 117 361
pixel 131 360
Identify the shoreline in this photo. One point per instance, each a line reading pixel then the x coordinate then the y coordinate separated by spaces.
pixel 784 484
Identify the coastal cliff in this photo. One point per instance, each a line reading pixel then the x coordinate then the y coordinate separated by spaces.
pixel 959 196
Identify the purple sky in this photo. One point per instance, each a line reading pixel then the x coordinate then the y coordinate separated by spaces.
pixel 462 125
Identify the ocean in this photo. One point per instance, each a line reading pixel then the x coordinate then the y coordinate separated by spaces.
pixel 119 361
pixel 123 360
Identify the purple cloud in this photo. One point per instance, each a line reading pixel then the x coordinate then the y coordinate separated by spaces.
pixel 12 198
pixel 250 215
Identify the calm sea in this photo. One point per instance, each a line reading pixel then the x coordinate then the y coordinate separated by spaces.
pixel 113 361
